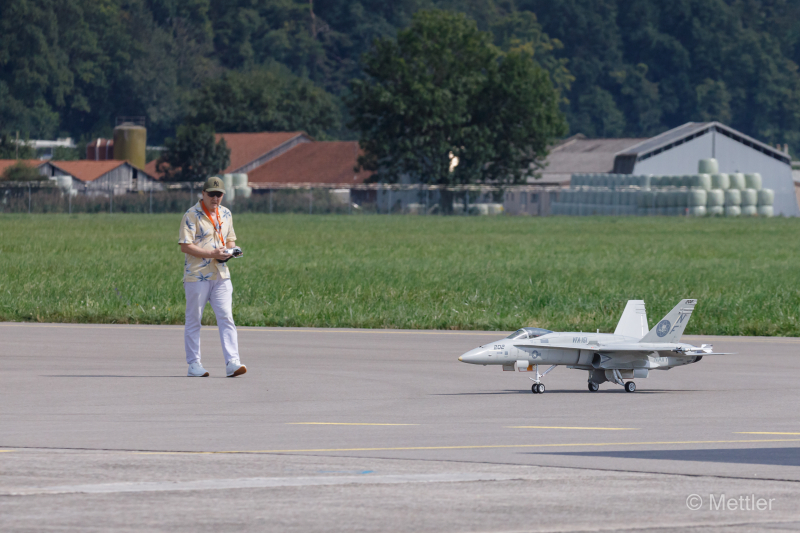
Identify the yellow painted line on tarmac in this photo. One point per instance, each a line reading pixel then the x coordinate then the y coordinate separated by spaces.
pixel 343 424
pixel 559 427
pixel 484 446
pixel 764 433
pixel 1 451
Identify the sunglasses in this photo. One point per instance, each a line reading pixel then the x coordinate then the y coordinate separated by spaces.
pixel 214 194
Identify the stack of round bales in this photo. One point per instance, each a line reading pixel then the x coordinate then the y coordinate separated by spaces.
pixel 240 185
pixel 709 192
pixel 230 190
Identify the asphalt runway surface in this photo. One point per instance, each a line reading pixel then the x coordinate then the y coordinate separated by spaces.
pixel 381 430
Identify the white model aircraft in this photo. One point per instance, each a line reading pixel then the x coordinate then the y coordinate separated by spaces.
pixel 630 352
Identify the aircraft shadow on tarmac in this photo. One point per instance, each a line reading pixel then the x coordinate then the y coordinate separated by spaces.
pixel 564 391
pixel 754 456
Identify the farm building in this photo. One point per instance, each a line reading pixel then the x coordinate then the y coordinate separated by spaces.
pixel 104 177
pixel 44 167
pixel 674 152
pixel 678 151
pixel 314 163
pixel 251 150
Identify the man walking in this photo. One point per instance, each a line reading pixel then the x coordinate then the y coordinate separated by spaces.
pixel 206 231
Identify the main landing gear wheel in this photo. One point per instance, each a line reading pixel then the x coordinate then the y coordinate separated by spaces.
pixel 593 387
pixel 537 388
pixel 630 386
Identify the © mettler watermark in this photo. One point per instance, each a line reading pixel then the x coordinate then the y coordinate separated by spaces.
pixel 722 502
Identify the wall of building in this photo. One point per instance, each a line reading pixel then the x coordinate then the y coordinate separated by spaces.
pixel 119 181
pixel 733 157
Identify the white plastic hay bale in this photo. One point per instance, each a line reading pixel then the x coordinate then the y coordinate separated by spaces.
pixel 696 197
pixel 715 198
pixel 753 181
pixel 749 210
pixel 701 181
pixel 64 182
pixel 239 180
pixel 708 166
pixel 765 211
pixel 662 199
pixel 686 181
pixel 681 198
pixel 720 181
pixel 732 210
pixel 736 181
pixel 230 191
pixel 715 210
pixel 608 197
pixel 697 211
pixel 766 197
pixel 495 209
pixel 414 209
pixel 672 198
pixel 244 192
pixel 644 182
pixel 749 197
pixel 733 197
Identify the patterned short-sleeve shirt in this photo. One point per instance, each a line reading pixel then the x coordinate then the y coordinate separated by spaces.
pixel 197 228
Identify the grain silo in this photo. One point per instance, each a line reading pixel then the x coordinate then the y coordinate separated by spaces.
pixel 130 143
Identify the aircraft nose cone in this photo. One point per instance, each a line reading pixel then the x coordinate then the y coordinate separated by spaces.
pixel 459 358
pixel 471 356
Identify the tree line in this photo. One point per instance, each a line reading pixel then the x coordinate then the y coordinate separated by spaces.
pixel 619 67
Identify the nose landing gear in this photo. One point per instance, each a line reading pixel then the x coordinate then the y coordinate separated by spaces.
pixel 630 386
pixel 593 387
pixel 538 387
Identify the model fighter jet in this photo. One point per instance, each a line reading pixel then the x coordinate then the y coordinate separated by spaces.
pixel 630 352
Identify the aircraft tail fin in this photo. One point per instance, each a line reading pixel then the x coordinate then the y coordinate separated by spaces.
pixel 633 322
pixel 671 327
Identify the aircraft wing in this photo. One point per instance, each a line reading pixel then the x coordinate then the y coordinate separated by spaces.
pixel 633 348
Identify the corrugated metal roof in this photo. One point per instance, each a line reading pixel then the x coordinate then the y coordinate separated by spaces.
pixel 692 130
pixel 314 162
pixel 578 154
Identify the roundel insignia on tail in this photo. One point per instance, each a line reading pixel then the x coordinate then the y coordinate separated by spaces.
pixel 663 328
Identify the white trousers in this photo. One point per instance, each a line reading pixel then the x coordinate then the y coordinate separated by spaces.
pixel 220 293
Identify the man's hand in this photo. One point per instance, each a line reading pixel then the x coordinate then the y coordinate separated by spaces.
pixel 220 255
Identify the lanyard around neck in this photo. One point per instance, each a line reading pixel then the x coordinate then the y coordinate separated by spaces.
pixel 217 225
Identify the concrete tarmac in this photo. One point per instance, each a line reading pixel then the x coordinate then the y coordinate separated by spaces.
pixel 381 430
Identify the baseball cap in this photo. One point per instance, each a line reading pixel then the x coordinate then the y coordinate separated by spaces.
pixel 214 183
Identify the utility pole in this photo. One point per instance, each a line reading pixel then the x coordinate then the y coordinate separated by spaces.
pixel 313 20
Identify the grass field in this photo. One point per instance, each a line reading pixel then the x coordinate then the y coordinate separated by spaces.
pixel 413 272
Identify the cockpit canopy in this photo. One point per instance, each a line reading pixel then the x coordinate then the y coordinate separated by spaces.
pixel 528 333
